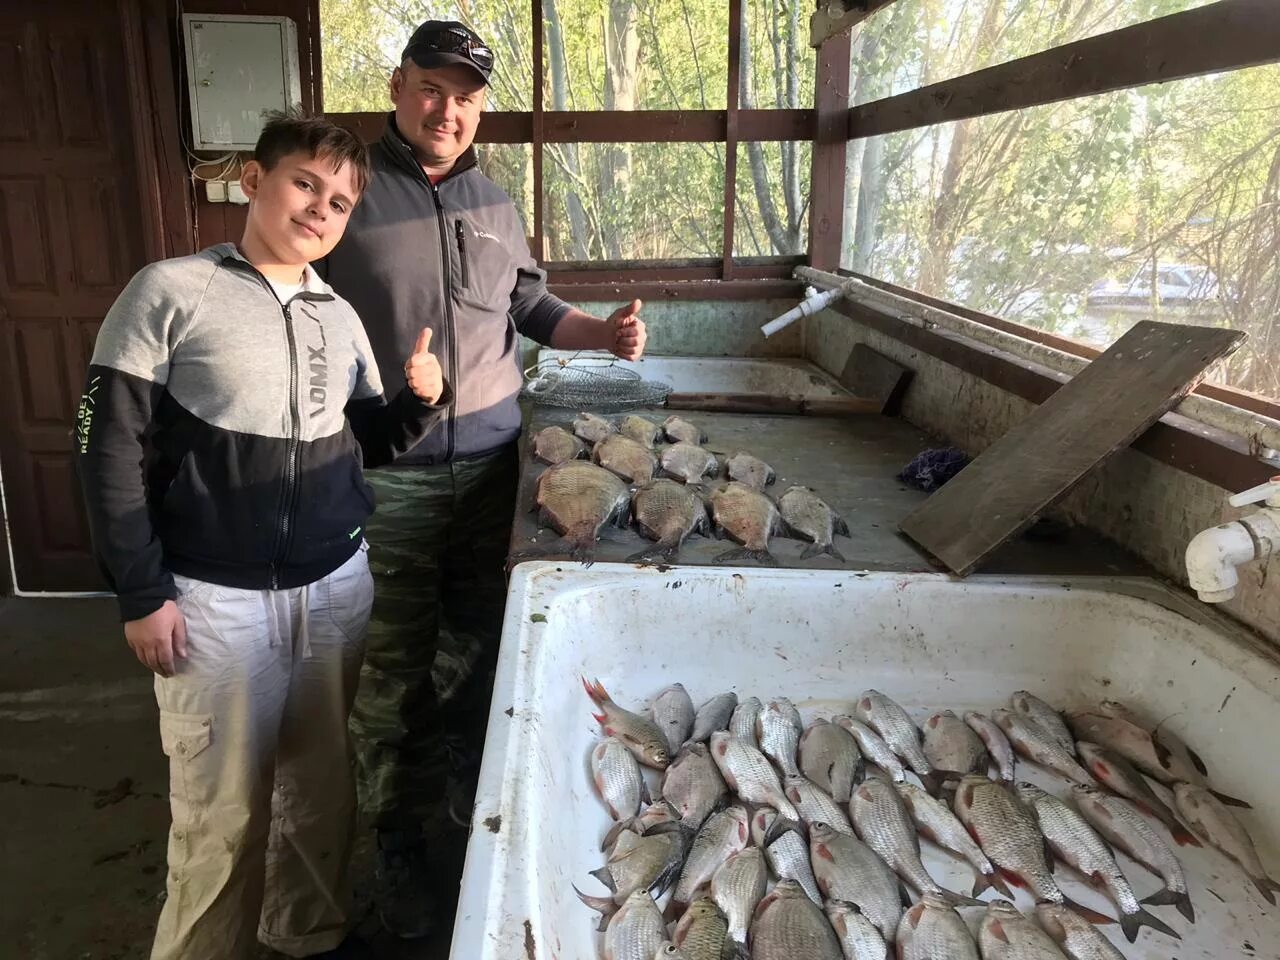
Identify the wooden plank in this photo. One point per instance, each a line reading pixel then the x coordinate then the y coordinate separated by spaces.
pixel 1102 409
pixel 538 241
pixel 1227 35
pixel 763 403
pixel 827 177
pixel 840 16
pixel 687 290
pixel 733 101
pixel 873 375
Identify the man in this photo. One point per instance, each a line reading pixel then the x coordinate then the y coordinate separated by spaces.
pixel 435 243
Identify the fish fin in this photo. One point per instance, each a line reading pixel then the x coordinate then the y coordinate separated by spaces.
pixel 905 895
pixel 838 525
pixel 1266 886
pixel 780 826
pixel 996 929
pixel 981 884
pixel 960 900
pixel 1130 923
pixel 932 782
pixel 1196 761
pixel 1167 897
pixel 605 877
pixel 1093 916
pixel 1232 801
pixel 997 881
pixel 602 905
pixel 746 553
pixel 1184 837
pixel 814 550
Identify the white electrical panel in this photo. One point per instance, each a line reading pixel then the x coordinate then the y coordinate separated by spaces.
pixel 238 70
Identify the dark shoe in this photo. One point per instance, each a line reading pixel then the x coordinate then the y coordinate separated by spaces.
pixel 402 891
pixel 349 949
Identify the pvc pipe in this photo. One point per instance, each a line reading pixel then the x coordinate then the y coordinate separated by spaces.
pixel 813 302
pixel 1212 558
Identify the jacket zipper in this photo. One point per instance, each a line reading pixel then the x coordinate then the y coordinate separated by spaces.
pixel 450 322
pixel 462 253
pixel 292 448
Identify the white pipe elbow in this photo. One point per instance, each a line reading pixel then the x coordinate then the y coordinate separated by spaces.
pixel 813 302
pixel 1212 558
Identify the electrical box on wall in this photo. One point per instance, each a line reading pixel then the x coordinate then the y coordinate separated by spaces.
pixel 238 69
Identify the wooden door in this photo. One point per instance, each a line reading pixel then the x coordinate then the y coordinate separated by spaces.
pixel 72 223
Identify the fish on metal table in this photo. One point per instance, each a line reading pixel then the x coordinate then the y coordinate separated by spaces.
pixel 636 931
pixel 750 775
pixel 809 517
pixel 724 833
pixel 934 820
pixel 829 756
pixel 786 852
pixel 1005 934
pixel 1032 707
pixel 632 461
pixel 578 500
pixel 858 936
pixel 638 733
pixel 752 471
pixel 1075 936
pixel 1121 777
pixel 713 715
pixel 672 710
pixel 553 445
pixel 1040 746
pixel 895 727
pixel 680 430
pixel 692 785
pixel 737 886
pixel 814 804
pixel 848 870
pixel 932 930
pixel 952 749
pixel 1216 826
pixel 789 926
pixel 998 746
pixel 873 748
pixel 667 512
pixel 778 729
pixel 591 428
pixel 688 462
pixel 742 724
pixel 748 517
pixel 618 779
pixel 639 429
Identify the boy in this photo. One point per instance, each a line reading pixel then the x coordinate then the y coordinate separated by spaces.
pixel 231 401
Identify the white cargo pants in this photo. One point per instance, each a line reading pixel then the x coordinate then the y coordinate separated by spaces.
pixel 260 766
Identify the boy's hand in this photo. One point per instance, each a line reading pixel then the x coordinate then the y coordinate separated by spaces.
pixel 628 331
pixel 422 370
pixel 158 637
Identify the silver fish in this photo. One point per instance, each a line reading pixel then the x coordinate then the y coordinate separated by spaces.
pixel 639 734
pixel 951 748
pixel 847 869
pixel 788 855
pixel 552 445
pixel 1076 843
pixel 752 471
pixel 1215 825
pixel 679 430
pixel 748 517
pixel 1008 835
pixel 632 461
pixel 829 756
pixel 1038 745
pixel 593 429
pixel 618 779
pixel 1075 936
pixel 778 729
pixel 639 429
pixel 1163 738
pixel 724 833
pixel 789 926
pixel 743 722
pixel 888 719
pixel 693 786
pixel 667 513
pixel 672 710
pixel 815 804
pixel 669 951
pixel 932 930
pixel 934 820
pixel 998 746
pixel 636 931
pixel 1120 823
pixel 713 715
pixel 659 811
pixel 750 775
pixel 872 747
pixel 578 499
pixel 1005 934
pixel 1119 776
pixel 737 886
pixel 649 863
pixel 858 936
pixel 811 518
pixel 1134 743
pixel 702 932
pixel 688 462
pixel 1032 707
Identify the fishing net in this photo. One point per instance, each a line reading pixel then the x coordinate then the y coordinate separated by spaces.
pixel 590 383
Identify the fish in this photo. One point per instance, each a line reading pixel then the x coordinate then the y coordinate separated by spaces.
pixel 633 462
pixel 639 734
pixel 1215 825
pixel 659 811
pixel 1076 844
pixel 713 715
pixel 848 870
pixel 1120 824
pixel 1075 936
pixel 1005 934
pixel 1119 776
pixel 815 804
pixel 829 756
pixel 553 445
pixel 935 821
pixel 636 931
pixel 1160 735
pixel 1135 744
pixel 882 821
pixel 952 749
pixel 748 517
pixel 789 926
pixel 688 462
pixel 618 779
pixel 693 786
pixel 669 951
pixel 1038 745
pixel 702 932
pixel 778 730
pixel 680 430
pixel 637 428
pixel 672 710
pixel 787 853
pixel 998 746
pixel 668 513
pixel 811 518
pixel 737 886
pixel 858 936
pixel 888 719
pixel 873 747
pixel 742 724
pixel 752 471
pixel 638 864
pixel 1032 707
pixel 592 429
pixel 724 833
pixel 932 930
pixel 750 775
pixel 578 499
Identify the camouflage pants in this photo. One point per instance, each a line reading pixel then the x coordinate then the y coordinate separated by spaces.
pixel 437 548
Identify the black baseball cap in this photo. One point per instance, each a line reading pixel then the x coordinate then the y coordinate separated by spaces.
pixel 440 43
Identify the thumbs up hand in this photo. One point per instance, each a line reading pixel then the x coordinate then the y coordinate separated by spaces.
pixel 629 333
pixel 422 370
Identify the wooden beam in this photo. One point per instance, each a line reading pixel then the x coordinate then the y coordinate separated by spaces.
pixel 538 135
pixel 661 272
pixel 839 16
pixel 732 102
pixel 1227 35
pixel 827 180
pixel 652 291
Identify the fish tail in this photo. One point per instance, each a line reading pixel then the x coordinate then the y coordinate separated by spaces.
pixel 602 905
pixel 1231 801
pixel 596 692
pixel 1267 887
pixel 746 553
pixel 616 831
pixel 664 551
pixel 993 879
pixel 960 900
pixel 1093 916
pixel 1167 897
pixel 584 553
pixel 605 877
pixel 781 824
pixel 1130 923
pixel 932 783
pixel 819 549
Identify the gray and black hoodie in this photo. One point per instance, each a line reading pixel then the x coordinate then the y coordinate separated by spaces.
pixel 221 433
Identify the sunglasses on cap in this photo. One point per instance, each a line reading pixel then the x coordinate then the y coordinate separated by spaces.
pixel 453 40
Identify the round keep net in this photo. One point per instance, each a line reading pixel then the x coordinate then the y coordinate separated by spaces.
pixel 590 383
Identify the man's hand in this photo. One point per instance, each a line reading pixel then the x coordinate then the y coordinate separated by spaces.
pixel 628 331
pixel 158 637
pixel 422 370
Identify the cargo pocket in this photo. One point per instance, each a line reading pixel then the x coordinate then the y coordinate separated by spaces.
pixel 183 737
pixel 348 595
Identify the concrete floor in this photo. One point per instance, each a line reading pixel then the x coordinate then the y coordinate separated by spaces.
pixel 83 796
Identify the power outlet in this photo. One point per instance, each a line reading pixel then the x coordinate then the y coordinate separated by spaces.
pixel 215 191
pixel 235 193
